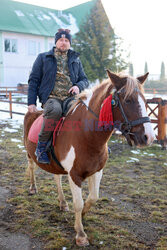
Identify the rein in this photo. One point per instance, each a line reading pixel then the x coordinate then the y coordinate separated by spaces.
pixel 90 110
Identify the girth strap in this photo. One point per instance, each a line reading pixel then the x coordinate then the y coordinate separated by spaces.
pixel 50 148
pixel 54 157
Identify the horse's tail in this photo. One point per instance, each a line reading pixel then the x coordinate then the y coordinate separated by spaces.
pixel 28 121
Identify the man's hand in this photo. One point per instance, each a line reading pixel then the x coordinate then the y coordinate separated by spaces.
pixel 74 90
pixel 32 108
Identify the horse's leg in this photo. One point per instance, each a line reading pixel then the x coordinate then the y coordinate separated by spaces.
pixel 94 185
pixel 31 170
pixel 63 203
pixel 81 237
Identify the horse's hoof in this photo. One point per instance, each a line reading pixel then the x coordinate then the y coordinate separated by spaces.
pixel 82 242
pixel 33 191
pixel 64 208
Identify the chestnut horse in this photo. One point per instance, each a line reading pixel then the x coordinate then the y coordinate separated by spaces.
pixel 83 152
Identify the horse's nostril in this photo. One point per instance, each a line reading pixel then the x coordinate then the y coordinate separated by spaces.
pixel 145 138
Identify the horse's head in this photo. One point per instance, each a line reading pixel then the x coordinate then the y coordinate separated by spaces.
pixel 129 109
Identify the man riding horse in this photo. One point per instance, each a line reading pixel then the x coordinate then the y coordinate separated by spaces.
pixel 55 76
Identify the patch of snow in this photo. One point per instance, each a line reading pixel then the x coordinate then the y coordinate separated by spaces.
pixel 64 248
pixel 133 160
pixel 40 18
pixel 72 24
pixel 158 145
pixel 11 130
pixel 165 164
pixel 15 140
pixel 136 152
pixel 151 154
pixel 19 13
pixel 20 146
pixel 46 17
pixel 101 242
pixel 117 132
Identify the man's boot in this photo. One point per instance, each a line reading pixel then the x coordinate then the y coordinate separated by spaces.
pixel 41 153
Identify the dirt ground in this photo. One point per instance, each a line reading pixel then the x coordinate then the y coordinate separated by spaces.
pixel 130 214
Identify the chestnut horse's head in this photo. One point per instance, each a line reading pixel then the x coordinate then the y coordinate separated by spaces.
pixel 129 109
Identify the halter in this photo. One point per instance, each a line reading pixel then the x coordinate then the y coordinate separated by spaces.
pixel 127 125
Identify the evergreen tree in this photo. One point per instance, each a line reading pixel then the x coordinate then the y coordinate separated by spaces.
pixel 131 69
pixel 162 75
pixel 98 46
pixel 145 68
pixel 145 71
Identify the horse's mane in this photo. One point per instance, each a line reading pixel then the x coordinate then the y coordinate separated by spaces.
pixel 131 85
pixel 103 89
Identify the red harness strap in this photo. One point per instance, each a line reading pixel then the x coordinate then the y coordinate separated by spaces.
pixel 57 129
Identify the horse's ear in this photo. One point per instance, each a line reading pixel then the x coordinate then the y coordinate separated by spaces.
pixel 116 80
pixel 142 79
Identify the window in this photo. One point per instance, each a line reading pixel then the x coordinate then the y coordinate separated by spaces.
pixel 10 45
pixel 51 45
pixel 33 48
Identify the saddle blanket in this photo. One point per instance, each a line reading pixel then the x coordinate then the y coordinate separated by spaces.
pixel 51 126
pixel 35 129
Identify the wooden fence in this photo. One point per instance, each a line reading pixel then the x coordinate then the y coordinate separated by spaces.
pixel 4 91
pixel 158 114
pixel 8 96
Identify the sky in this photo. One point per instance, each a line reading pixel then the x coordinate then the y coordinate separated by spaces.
pixel 140 23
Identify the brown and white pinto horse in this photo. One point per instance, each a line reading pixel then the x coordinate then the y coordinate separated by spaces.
pixel 83 152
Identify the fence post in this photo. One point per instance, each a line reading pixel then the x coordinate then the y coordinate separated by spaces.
pixel 162 117
pixel 10 103
pixel 6 93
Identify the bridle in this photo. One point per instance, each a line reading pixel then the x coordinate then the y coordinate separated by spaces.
pixel 127 125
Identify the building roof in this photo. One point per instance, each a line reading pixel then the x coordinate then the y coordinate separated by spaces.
pixel 31 19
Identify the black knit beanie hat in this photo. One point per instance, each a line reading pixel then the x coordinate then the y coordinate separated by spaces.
pixel 63 33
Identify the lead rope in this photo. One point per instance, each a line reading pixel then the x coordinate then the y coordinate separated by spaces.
pixel 88 108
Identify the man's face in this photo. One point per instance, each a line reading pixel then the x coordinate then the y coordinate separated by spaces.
pixel 63 44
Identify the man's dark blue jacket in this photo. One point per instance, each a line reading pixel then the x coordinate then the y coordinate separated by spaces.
pixel 43 75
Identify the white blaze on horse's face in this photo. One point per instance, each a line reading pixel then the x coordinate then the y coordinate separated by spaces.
pixel 147 126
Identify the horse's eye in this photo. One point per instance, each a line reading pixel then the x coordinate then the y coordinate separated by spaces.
pixel 128 101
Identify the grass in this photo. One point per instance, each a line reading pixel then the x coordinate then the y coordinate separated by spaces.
pixel 132 194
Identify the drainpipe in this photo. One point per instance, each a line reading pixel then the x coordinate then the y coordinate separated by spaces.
pixel 1 61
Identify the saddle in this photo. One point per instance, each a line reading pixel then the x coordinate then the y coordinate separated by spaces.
pixel 37 124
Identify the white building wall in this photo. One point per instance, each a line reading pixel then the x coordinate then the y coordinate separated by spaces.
pixel 17 66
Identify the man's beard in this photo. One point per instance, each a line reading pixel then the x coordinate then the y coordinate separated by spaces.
pixel 62 50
